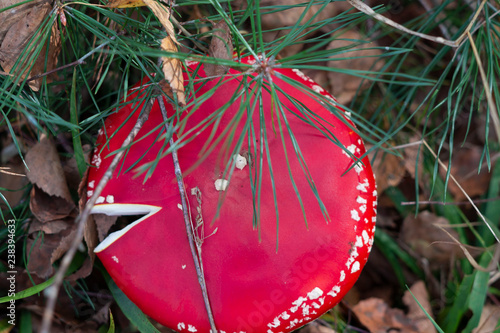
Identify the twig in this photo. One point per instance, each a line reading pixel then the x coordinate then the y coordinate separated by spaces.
pixel 187 221
pixel 187 33
pixel 462 190
pixel 362 7
pixel 82 218
pixel 80 61
pixel 459 203
pixel 487 91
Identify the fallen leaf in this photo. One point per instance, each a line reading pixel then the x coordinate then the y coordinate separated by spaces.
pixel 378 317
pixel 389 170
pixel 489 319
pixel 345 86
pixel 13 180
pixel 172 69
pixel 48 208
pixel 104 223
pixel 464 167
pixel 125 3
pixel 314 327
pixel 415 312
pixel 221 47
pixel 53 227
pixel 45 169
pixel 20 32
pixel 429 241
pixel 44 250
pixel 163 15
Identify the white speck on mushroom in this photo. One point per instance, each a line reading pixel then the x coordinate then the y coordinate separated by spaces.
pixel 181 326
pixel 110 199
pixel 318 89
pixel 115 258
pixel 99 200
pixel 275 323
pixel 240 161
pixel 342 276
pixel 305 309
pixel 362 208
pixel 221 184
pixel 191 328
pixel 89 193
pixel 179 206
pixel 355 267
pixel 315 293
pixel 375 193
pixel 96 160
pixel 351 149
pixel 361 200
pixel 358 168
pixel 100 131
pixel 285 315
pixel 374 219
pixel 183 266
pixel 334 292
pixel 359 241
pixel 355 215
pixel 297 303
pixel 365 236
pixel 92 184
pixel 362 186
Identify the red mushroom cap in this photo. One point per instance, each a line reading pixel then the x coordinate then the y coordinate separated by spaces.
pixel 253 285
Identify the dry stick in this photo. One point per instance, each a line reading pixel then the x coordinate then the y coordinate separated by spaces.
pixel 362 7
pixel 82 218
pixel 80 61
pixel 440 203
pixel 462 190
pixel 187 221
pixel 484 78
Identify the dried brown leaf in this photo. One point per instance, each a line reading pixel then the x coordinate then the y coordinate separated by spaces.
pixel 221 47
pixel 45 169
pixel 17 37
pixel 48 208
pixel 428 240
pixel 489 319
pixel 172 69
pixel 378 317
pixel 344 86
pixel 415 312
pixel 125 3
pixel 314 327
pixel 104 223
pixel 163 15
pixel 13 179
pixel 52 227
pixel 389 170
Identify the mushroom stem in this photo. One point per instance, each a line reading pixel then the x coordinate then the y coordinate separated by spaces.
pixel 195 250
pixel 48 313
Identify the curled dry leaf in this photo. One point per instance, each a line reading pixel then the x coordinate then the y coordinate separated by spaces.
pixel 415 312
pixel 45 169
pixel 18 27
pixel 125 3
pixel 344 86
pixel 172 69
pixel 489 319
pixel 389 170
pixel 221 47
pixel 429 241
pixel 378 317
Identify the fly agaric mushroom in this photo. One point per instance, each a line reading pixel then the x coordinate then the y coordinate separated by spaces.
pixel 253 284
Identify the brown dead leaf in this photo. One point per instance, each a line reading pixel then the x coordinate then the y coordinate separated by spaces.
pixel 415 312
pixel 428 240
pixel 344 86
pixel 221 47
pixel 125 3
pixel 45 169
pixel 464 167
pixel 48 208
pixel 163 15
pixel 44 250
pixel 389 170
pixel 53 227
pixel 13 178
pixel 489 319
pixel 104 223
pixel 314 327
pixel 172 69
pixel 378 317
pixel 18 34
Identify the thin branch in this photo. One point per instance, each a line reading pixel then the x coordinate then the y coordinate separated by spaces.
pixel 459 203
pixel 82 218
pixel 362 7
pixel 487 91
pixel 187 33
pixel 462 190
pixel 77 62
pixel 198 263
